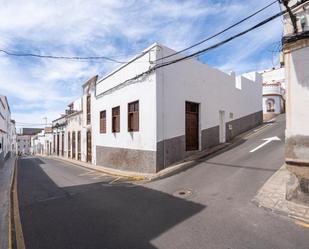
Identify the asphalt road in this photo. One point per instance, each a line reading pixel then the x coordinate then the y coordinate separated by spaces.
pixel 65 206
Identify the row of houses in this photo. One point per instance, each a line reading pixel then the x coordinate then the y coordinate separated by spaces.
pixel 143 118
pixel 8 142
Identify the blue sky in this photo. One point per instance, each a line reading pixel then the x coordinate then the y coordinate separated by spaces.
pixel 38 88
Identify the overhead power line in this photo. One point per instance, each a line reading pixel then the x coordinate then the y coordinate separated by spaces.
pixel 221 32
pixel 203 51
pixel 60 57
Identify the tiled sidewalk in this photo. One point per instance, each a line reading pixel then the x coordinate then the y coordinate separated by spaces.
pixel 272 196
pixel 6 174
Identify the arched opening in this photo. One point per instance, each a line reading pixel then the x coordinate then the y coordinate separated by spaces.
pixel 270 105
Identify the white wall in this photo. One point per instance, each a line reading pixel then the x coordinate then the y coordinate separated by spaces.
pixel 75 125
pixel 23 144
pixel 193 81
pixel 298 92
pixel 277 105
pixel 274 75
pixel 145 139
pixel 5 123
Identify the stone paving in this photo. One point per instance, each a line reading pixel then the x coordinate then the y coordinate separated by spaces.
pixel 272 196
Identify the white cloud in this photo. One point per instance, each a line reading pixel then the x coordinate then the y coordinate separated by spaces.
pixel 103 28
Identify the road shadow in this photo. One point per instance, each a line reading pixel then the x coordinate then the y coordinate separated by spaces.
pixel 102 217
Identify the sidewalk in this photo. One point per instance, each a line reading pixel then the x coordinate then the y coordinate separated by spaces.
pixel 6 177
pixel 272 197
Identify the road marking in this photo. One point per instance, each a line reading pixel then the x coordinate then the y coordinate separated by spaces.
pixel 267 140
pixel 99 176
pixel 116 179
pixel 88 173
pixel 303 224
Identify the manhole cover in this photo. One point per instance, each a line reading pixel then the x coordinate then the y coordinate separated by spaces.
pixel 183 193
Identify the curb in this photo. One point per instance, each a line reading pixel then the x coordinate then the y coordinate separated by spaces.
pixel 279 212
pixel 117 174
pixel 11 206
pixel 171 170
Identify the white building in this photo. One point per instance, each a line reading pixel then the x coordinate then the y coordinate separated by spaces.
pixel 296 60
pixel 6 128
pixel 72 131
pixel 273 92
pixel 147 123
pixel 42 142
pixel 23 144
pixel 59 142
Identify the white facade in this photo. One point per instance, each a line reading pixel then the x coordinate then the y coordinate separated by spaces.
pixel 273 92
pixel 23 144
pixel 162 95
pixel 7 129
pixel 41 143
pixel 296 58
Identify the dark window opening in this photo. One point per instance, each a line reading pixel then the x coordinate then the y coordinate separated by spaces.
pixel 133 116
pixel 116 119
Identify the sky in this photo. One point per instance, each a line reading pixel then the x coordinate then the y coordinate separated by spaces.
pixel 38 88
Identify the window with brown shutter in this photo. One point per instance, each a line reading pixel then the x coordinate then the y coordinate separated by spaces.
pixel 103 122
pixel 133 116
pixel 116 119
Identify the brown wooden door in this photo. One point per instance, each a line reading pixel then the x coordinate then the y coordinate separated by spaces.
pixel 57 144
pixel 89 153
pixel 192 120
pixel 78 146
pixel 73 145
pixel 62 144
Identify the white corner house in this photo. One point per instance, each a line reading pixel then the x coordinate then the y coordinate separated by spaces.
pixel 145 117
pixel 273 92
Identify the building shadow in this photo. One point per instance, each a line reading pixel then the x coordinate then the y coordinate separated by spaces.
pixel 94 216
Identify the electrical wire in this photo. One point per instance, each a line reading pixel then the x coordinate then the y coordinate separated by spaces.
pixel 221 32
pixel 200 52
pixel 61 57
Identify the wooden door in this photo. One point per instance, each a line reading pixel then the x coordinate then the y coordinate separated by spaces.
pixel 89 153
pixel 78 146
pixel 73 145
pixel 192 126
pixel 57 144
pixel 62 144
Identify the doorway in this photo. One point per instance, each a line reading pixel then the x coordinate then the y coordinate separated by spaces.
pixel 78 146
pixel 192 126
pixel 222 128
pixel 58 144
pixel 73 145
pixel 89 152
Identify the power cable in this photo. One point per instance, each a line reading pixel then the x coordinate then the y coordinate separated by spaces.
pixel 200 52
pixel 61 57
pixel 221 32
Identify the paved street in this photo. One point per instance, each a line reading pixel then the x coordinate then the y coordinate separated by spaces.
pixel 66 206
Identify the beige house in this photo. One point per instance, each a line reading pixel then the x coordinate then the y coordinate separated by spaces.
pixel 296 59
